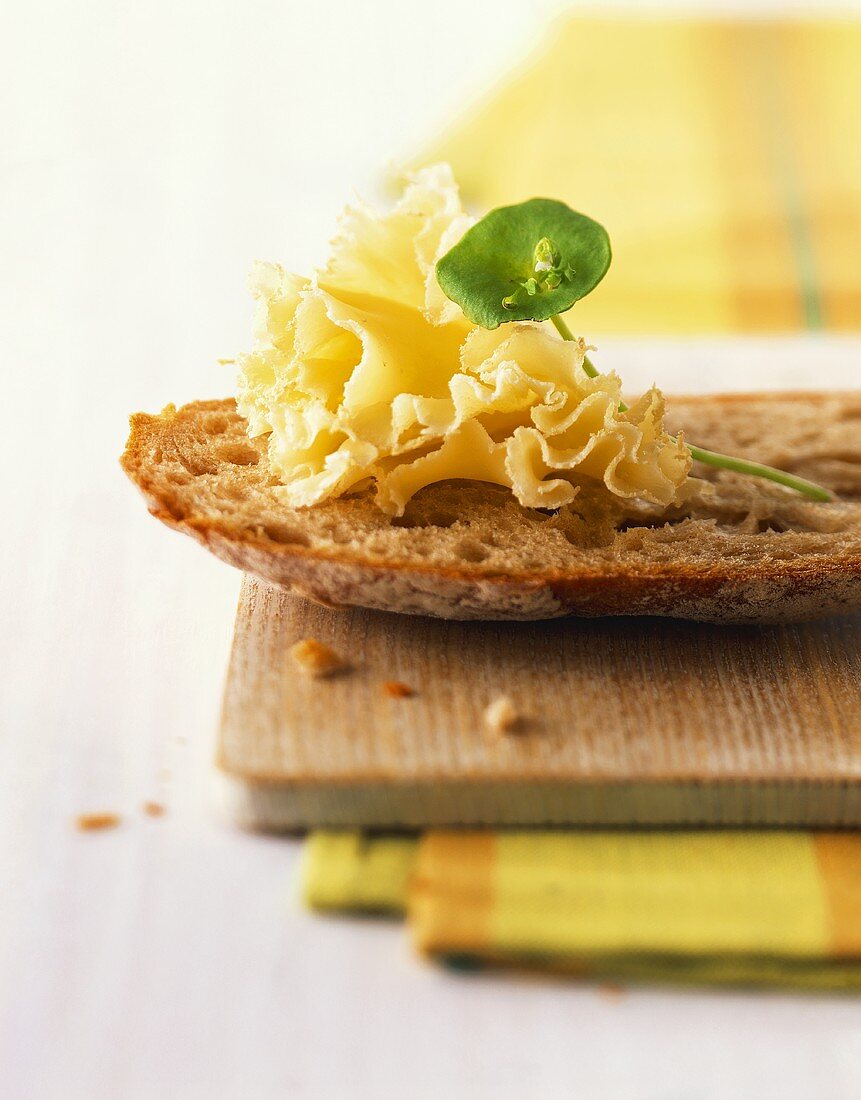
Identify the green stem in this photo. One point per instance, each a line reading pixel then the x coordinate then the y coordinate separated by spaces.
pixel 757 469
pixel 712 458
pixel 588 366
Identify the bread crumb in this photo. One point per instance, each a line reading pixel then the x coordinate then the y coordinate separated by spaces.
pixel 90 823
pixel 397 689
pixel 315 659
pixel 501 716
pixel 154 809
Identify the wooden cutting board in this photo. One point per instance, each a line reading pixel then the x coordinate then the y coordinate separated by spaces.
pixel 638 721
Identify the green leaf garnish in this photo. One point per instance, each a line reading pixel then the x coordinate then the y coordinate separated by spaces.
pixel 526 262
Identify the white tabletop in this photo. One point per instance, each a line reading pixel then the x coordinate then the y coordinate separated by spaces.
pixel 154 151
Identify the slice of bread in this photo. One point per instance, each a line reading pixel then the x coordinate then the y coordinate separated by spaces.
pixel 740 550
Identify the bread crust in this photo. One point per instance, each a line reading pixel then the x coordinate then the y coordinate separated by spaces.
pixel 808 574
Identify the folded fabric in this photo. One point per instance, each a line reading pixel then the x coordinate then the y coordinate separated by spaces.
pixel 713 907
pixel 722 156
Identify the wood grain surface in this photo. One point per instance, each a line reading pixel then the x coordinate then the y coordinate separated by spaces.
pixel 640 720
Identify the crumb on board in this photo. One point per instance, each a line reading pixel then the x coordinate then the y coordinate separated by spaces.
pixel 612 991
pixel 501 716
pixel 316 659
pixel 397 689
pixel 91 823
pixel 154 809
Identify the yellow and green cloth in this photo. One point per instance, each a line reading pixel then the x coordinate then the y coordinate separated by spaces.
pixel 723 156
pixel 708 907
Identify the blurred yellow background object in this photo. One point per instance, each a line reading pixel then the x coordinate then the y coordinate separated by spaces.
pixel 722 156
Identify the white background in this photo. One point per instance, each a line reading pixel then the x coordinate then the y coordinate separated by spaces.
pixel 149 152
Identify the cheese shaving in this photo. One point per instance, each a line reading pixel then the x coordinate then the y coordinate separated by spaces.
pixel 367 374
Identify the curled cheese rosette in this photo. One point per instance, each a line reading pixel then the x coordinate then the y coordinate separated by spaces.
pixel 368 374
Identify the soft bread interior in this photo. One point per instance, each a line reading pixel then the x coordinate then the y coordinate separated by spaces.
pixel 199 470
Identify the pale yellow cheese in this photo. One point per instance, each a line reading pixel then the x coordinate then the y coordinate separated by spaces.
pixel 367 372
